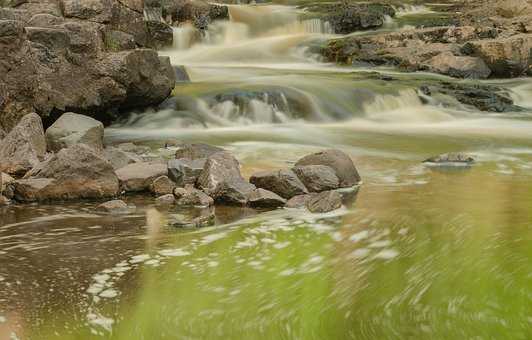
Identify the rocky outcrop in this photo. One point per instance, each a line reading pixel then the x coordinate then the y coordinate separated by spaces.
pixel 138 177
pixel 71 129
pixel 24 147
pixel 340 162
pixel 221 180
pixel 73 173
pixel 284 183
pixel 53 64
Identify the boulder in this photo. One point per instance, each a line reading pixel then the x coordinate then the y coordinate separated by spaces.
pixel 460 67
pixel 453 158
pixel 317 178
pixel 189 196
pixel 139 176
pixel 185 171
pixel 72 173
pixel 168 199
pixel 119 158
pixel 115 207
pixel 71 129
pixel 24 147
pixel 299 201
pixel 221 180
pixel 284 183
pixel 324 202
pixel 261 198
pixel 196 151
pixel 339 161
pixel 94 10
pixel 162 186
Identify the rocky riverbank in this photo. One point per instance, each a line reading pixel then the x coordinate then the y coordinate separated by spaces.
pixel 492 39
pixel 68 161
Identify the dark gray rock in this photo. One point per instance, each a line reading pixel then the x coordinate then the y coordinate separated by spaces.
pixel 317 178
pixel 451 158
pixel 184 171
pixel 284 183
pixel 261 198
pixel 340 162
pixel 324 202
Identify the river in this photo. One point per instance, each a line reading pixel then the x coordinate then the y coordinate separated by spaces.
pixel 419 253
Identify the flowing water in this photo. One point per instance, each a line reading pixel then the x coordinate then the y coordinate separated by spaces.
pixel 418 253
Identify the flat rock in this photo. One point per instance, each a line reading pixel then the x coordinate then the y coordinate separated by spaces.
pixel 162 186
pixel 284 183
pixel 196 151
pixel 71 129
pixel 261 198
pixel 139 176
pixel 24 147
pixel 317 178
pixel 324 202
pixel 119 158
pixel 340 162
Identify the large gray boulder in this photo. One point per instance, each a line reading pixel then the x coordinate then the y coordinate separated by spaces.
pixel 284 183
pixel 317 178
pixel 71 129
pixel 221 180
pixel 337 160
pixel 140 176
pixel 24 147
pixel 72 173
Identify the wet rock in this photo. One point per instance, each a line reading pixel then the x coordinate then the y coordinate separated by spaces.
pixel 189 196
pixel 119 158
pixel 196 151
pixel 140 176
pixel 166 199
pixel 483 97
pixel 72 173
pixel 324 202
pixel 24 147
pixel 115 207
pixel 284 183
pixel 71 129
pixel 452 158
pixel 299 201
pixel 162 186
pixel 185 171
pixel 261 198
pixel 205 219
pixel 460 67
pixel 317 178
pixel 221 180
pixel 337 160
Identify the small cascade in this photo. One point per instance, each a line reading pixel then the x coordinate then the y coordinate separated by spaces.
pixel 408 9
pixel 185 36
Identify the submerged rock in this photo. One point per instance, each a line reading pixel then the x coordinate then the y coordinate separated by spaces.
pixel 71 129
pixel 284 183
pixel 451 159
pixel 206 218
pixel 317 178
pixel 24 147
pixel 140 176
pixel 221 180
pixel 261 198
pixel 115 207
pixel 324 202
pixel 72 173
pixel 337 160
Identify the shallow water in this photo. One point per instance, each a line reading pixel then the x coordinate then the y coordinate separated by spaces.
pixel 418 252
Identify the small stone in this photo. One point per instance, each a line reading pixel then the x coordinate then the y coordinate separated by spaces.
pixel 451 159
pixel 324 202
pixel 261 198
pixel 162 186
pixel 115 207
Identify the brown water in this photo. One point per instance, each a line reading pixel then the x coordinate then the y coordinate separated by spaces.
pixel 419 252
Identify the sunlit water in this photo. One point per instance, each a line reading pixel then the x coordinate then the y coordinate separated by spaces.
pixel 418 253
